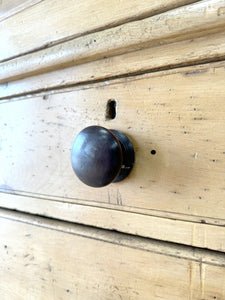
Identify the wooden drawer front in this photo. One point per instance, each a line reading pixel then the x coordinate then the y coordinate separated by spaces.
pixel 174 113
pixel 55 260
pixel 177 113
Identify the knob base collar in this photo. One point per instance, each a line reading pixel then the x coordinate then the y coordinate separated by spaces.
pixel 127 154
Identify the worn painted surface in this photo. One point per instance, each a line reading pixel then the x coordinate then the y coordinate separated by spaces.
pixel 159 225
pixel 63 261
pixel 192 51
pixel 175 114
pixel 68 19
pixel 175 119
pixel 195 20
pixel 9 8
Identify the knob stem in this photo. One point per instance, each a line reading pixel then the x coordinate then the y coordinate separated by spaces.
pixel 127 154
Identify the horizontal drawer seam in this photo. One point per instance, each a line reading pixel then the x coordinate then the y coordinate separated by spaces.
pixel 88 84
pixel 196 254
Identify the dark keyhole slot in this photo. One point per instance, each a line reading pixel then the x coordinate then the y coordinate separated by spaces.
pixel 111 110
pixel 153 152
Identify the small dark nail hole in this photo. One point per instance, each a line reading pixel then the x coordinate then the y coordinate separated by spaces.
pixel 110 110
pixel 153 152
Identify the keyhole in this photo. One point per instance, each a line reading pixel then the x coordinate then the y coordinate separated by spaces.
pixel 110 109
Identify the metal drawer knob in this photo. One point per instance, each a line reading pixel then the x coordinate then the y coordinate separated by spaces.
pixel 100 156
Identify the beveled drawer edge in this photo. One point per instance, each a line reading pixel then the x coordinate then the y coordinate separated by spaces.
pixel 137 242
pixel 67 17
pixel 205 49
pixel 45 93
pixel 157 30
pixel 188 233
pixel 111 206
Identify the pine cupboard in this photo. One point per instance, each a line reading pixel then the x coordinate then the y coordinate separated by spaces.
pixel 160 233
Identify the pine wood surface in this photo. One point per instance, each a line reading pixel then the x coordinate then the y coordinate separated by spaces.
pixel 9 8
pixel 173 112
pixel 198 19
pixel 193 51
pixel 56 260
pixel 50 22
pixel 158 225
pixel 60 63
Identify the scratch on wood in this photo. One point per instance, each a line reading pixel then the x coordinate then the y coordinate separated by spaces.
pixel 199 119
pixel 119 198
pixel 202 279
pixel 193 235
pixel 108 196
pixel 195 72
pixel 190 279
pixel 49 268
pixel 54 123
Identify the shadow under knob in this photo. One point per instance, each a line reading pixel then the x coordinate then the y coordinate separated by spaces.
pixel 100 156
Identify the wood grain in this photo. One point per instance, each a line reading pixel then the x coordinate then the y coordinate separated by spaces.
pixel 9 8
pixel 175 114
pixel 193 51
pixel 71 262
pixel 168 227
pixel 197 19
pixel 70 18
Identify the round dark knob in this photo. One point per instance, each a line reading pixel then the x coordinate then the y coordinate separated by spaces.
pixel 100 156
